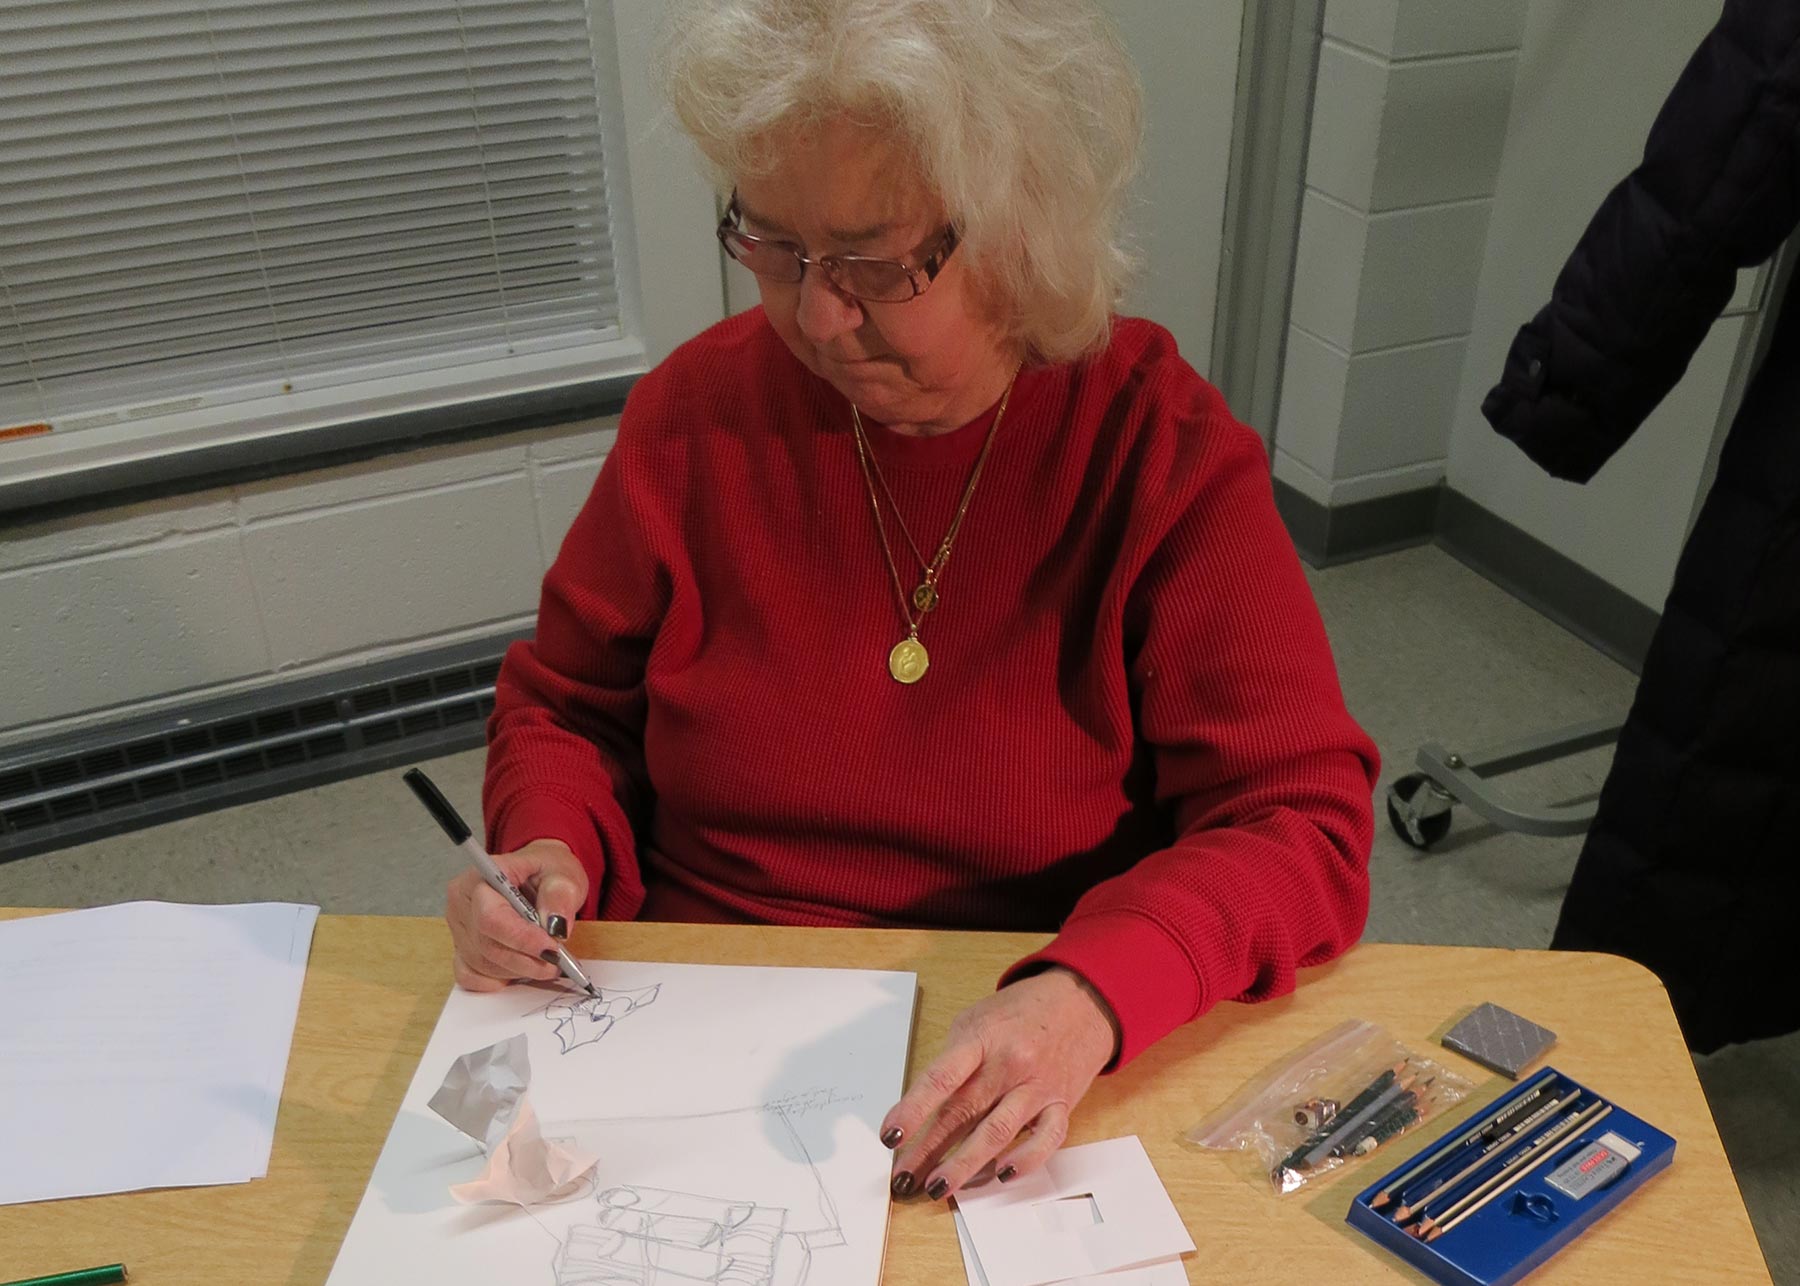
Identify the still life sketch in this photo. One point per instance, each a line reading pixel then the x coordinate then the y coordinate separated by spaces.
pixel 648 1236
pixel 580 1020
pixel 730 1123
pixel 645 1236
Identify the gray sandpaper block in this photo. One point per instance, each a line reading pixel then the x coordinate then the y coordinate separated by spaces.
pixel 1500 1039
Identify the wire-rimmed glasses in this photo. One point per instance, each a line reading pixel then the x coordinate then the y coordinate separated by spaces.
pixel 885 281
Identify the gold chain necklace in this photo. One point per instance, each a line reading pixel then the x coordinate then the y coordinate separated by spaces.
pixel 924 598
pixel 908 660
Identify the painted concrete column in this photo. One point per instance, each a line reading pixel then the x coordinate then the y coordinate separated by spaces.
pixel 1409 121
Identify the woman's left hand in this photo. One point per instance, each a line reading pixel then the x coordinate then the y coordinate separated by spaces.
pixel 1022 1058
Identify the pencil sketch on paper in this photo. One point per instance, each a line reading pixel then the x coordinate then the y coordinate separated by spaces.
pixel 818 1099
pixel 582 1020
pixel 651 1237
pixel 648 1236
pixel 734 1130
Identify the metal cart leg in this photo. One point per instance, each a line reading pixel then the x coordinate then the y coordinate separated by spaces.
pixel 1419 804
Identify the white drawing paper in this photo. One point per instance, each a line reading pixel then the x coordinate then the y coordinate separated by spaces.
pixel 1162 1272
pixel 733 1111
pixel 1089 1212
pixel 144 1045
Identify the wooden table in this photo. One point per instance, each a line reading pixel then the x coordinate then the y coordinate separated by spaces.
pixel 375 985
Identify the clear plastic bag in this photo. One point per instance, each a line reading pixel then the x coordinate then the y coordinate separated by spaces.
pixel 1343 1096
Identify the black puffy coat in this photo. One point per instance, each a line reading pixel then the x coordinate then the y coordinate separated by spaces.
pixel 1692 866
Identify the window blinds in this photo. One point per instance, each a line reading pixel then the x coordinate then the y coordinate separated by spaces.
pixel 203 202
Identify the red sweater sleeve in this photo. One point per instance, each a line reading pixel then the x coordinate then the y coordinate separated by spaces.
pixel 1266 776
pixel 565 743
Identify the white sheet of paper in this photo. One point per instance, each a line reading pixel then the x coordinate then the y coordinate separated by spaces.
pixel 1090 1211
pixel 734 1112
pixel 1163 1272
pixel 144 1045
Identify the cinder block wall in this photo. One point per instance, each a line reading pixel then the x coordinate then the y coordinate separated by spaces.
pixel 1409 121
pixel 143 608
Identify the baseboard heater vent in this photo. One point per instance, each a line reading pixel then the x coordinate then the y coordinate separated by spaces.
pixel 289 735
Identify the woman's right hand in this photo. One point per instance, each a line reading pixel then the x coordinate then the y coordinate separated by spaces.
pixel 494 944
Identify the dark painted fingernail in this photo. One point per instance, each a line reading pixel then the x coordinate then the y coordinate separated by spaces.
pixel 557 927
pixel 1007 1173
pixel 548 957
pixel 937 1189
pixel 904 1184
pixel 892 1138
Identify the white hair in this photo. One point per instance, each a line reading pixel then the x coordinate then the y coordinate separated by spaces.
pixel 1025 117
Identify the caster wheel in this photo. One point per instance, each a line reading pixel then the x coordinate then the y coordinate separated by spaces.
pixel 1419 810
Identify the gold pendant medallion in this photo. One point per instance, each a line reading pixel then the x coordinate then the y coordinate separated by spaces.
pixel 908 661
pixel 925 597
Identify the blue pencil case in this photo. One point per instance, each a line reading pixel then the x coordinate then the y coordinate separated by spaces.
pixel 1482 1206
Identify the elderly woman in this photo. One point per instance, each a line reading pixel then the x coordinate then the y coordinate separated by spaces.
pixel 931 593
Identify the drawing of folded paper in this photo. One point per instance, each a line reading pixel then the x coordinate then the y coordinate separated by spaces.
pixel 652 1237
pixel 582 1020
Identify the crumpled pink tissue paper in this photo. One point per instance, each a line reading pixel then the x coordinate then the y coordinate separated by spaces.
pixel 484 1096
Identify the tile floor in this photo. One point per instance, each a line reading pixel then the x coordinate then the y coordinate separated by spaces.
pixel 1427 650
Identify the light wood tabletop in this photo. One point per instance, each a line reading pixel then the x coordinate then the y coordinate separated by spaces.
pixel 375 986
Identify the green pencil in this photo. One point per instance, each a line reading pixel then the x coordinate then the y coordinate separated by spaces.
pixel 105 1276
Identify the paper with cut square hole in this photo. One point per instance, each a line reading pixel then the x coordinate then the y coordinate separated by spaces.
pixel 1027 1232
pixel 1160 1272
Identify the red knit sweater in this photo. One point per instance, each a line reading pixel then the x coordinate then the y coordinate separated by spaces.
pixel 1131 730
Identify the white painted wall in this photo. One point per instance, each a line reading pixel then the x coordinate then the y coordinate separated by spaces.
pixel 146 607
pixel 1409 119
pixel 1187 55
pixel 668 212
pixel 1590 79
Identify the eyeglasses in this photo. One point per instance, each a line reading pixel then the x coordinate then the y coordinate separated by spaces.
pixel 884 281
